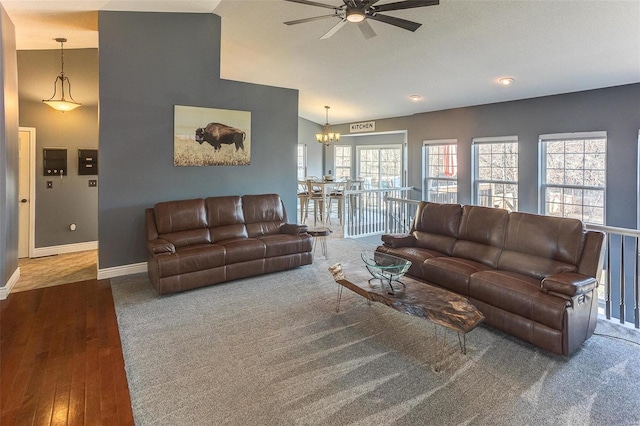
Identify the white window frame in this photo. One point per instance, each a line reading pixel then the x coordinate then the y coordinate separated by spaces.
pixel 568 188
pixel 302 149
pixel 336 167
pixel 510 203
pixel 441 180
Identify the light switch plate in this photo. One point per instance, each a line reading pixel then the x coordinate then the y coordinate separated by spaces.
pixel 93 183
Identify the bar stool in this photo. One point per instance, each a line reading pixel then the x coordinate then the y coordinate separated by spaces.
pixel 303 197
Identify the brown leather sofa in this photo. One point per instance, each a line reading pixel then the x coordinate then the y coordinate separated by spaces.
pixel 195 243
pixel 534 277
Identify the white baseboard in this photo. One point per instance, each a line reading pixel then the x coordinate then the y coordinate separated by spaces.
pixel 66 248
pixel 4 291
pixel 118 271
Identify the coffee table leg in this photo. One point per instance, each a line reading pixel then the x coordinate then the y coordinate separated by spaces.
pixel 339 297
pixel 463 343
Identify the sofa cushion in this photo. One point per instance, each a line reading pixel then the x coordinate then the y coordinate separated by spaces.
pixel 556 238
pixel 176 216
pixel 264 214
pixel 182 223
pixel 482 253
pixel 533 266
pixel 283 244
pixel 518 294
pixel 481 235
pixel 190 259
pixel 225 218
pixel 243 249
pixel 187 238
pixel 452 273
pixel 435 226
pixel 415 254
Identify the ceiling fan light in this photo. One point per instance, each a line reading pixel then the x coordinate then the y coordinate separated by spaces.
pixel 355 15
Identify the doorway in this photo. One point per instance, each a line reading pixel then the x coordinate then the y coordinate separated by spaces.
pixel 26 191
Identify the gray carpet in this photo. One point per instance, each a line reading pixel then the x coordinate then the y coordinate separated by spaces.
pixel 271 350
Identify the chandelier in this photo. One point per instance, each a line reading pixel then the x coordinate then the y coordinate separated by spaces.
pixel 61 104
pixel 327 136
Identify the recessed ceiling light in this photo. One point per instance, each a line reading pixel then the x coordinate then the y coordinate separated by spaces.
pixel 415 98
pixel 506 81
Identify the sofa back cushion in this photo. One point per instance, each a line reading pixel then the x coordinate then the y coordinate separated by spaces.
pixel 264 214
pixel 481 234
pixel 183 222
pixel 562 239
pixel 225 218
pixel 435 226
pixel 542 245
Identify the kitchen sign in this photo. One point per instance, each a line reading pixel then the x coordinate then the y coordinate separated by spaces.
pixel 367 126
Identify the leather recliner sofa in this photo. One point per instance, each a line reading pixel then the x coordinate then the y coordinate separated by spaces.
pixel 200 242
pixel 534 277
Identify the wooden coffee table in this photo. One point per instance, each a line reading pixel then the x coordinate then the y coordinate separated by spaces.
pixel 414 297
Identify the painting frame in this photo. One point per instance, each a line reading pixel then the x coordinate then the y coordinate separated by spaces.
pixel 211 137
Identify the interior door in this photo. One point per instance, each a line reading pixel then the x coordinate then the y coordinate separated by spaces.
pixel 24 173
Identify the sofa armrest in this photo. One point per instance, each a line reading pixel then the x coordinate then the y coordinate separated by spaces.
pixel 160 246
pixel 568 283
pixel 398 240
pixel 293 229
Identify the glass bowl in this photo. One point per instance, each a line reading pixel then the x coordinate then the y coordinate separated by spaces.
pixel 385 267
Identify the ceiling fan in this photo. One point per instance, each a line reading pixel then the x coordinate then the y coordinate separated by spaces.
pixel 359 11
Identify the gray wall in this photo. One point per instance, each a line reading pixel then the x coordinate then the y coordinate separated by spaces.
pixel 8 149
pixel 307 136
pixel 150 62
pixel 71 200
pixel 615 110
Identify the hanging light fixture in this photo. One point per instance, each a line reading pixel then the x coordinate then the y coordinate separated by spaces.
pixel 327 136
pixel 61 104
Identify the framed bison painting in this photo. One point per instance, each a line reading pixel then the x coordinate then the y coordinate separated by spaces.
pixel 211 137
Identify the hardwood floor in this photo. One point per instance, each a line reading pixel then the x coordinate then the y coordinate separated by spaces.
pixel 55 270
pixel 61 360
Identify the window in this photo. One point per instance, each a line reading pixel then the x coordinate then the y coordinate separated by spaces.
pixel 440 174
pixel 496 172
pixel 302 161
pixel 573 170
pixel 380 166
pixel 342 162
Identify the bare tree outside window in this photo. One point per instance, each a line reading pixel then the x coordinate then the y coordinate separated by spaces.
pixel 380 167
pixel 342 162
pixel 441 172
pixel 574 177
pixel 496 174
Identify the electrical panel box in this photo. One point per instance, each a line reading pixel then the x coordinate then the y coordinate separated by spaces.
pixel 87 161
pixel 55 161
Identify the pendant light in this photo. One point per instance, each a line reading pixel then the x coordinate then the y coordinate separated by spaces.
pixel 61 104
pixel 327 136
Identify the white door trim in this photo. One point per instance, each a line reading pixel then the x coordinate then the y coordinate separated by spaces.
pixel 32 187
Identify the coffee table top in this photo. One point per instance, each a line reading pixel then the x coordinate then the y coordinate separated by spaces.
pixel 415 298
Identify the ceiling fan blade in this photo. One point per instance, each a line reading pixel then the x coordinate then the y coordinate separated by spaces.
pixel 408 4
pixel 313 3
pixel 398 22
pixel 366 29
pixel 315 18
pixel 334 29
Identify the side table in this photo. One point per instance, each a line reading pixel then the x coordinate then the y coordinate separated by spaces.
pixel 319 234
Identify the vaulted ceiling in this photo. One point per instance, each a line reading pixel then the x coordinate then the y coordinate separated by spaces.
pixel 454 59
